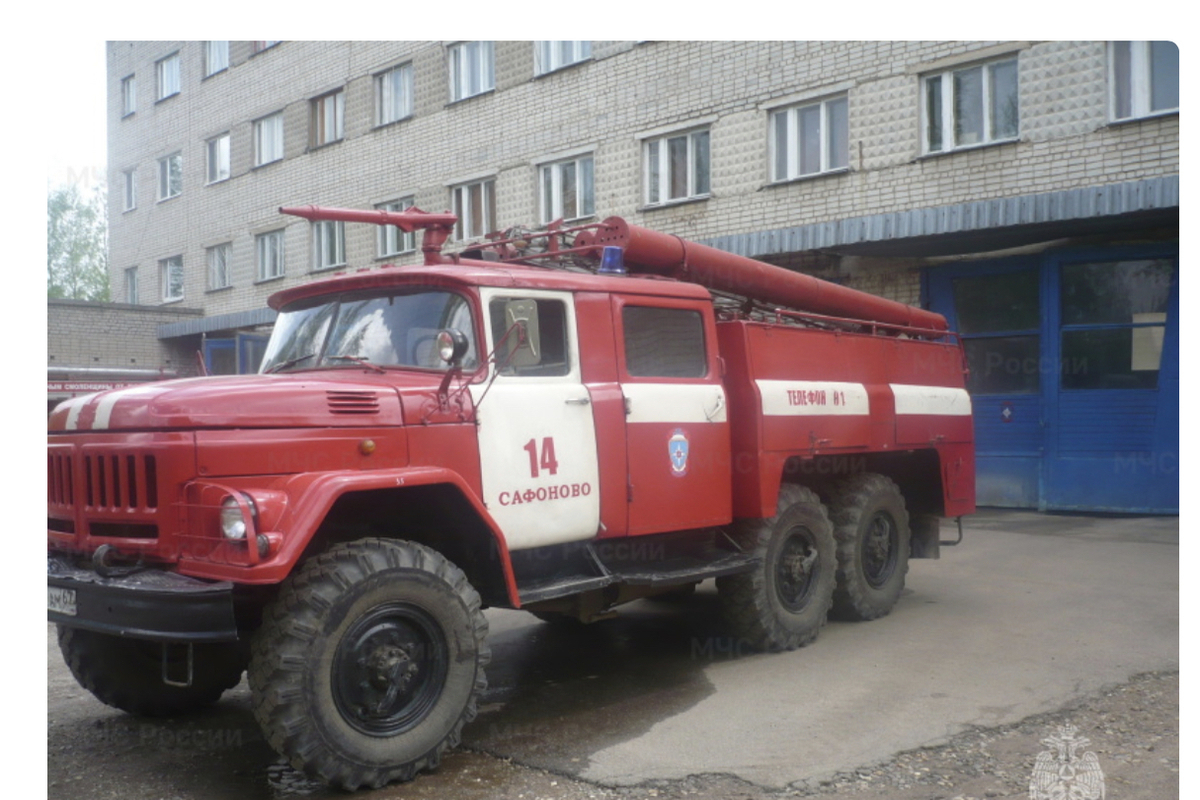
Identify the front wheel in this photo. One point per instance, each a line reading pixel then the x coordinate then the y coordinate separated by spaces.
pixel 369 663
pixel 128 673
pixel 783 603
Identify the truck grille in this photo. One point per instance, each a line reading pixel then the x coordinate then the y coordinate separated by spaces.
pixel 120 482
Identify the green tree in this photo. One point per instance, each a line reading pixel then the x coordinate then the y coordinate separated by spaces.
pixel 77 244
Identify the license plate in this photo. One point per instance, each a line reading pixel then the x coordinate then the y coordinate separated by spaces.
pixel 62 601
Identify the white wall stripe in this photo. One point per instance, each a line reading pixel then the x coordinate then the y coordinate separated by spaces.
pixel 813 398
pixel 944 401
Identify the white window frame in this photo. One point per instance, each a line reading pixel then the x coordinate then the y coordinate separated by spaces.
pixel 220 262
pixel 656 167
pixel 329 244
pixel 268 150
pixel 169 76
pixel 130 189
pixel 553 185
pixel 217 150
pixel 394 94
pixel 259 47
pixel 550 56
pixel 128 95
pixel 390 240
pixel 1138 83
pixel 792 147
pixel 465 203
pixel 946 94
pixel 472 68
pixel 132 290
pixel 269 255
pixel 170 176
pixel 327 115
pixel 216 57
pixel 170 276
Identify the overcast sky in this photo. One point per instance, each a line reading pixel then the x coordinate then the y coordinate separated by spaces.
pixel 75 134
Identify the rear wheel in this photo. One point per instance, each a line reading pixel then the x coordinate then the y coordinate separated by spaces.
pixel 783 603
pixel 369 663
pixel 872 532
pixel 128 673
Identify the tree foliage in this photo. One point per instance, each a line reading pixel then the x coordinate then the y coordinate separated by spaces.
pixel 77 244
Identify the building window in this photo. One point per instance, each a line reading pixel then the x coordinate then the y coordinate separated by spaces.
pixel 219 260
pixel 218 158
pixel 393 94
pixel 170 176
pixel 567 189
pixel 1143 78
pixel 475 205
pixel 170 271
pixel 130 193
pixel 810 138
pixel 128 95
pixel 131 285
pixel 268 139
pixel 328 112
pixel 329 244
pixel 391 240
pixel 549 56
pixel 258 47
pixel 168 76
pixel 269 247
pixel 216 57
pixel 472 69
pixel 677 167
pixel 971 106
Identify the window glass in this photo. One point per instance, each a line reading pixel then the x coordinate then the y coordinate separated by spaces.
pixel 530 336
pixel 1115 291
pixel 1164 75
pixel 1112 358
pixel 1004 302
pixel 664 342
pixel 1003 364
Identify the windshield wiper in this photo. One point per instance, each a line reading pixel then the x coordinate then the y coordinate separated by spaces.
pixel 358 360
pixel 291 362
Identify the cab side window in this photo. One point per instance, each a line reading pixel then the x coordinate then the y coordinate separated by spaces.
pixel 664 342
pixel 530 336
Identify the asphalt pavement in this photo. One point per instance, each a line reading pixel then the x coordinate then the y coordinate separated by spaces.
pixel 1030 613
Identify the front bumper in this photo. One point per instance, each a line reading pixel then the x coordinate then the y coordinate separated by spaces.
pixel 143 604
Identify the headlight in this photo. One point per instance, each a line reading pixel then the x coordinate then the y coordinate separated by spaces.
pixel 233 522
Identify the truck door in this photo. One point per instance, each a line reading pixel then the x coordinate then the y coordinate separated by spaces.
pixel 537 438
pixel 675 419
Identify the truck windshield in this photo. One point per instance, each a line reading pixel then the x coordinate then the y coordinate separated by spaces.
pixel 395 329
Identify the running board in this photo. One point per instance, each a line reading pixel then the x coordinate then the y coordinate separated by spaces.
pixel 598 565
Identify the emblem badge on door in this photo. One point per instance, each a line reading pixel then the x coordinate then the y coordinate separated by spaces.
pixel 677 448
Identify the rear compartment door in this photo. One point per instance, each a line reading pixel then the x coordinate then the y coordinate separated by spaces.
pixel 676 424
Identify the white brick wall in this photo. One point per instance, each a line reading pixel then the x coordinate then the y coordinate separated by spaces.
pixel 625 90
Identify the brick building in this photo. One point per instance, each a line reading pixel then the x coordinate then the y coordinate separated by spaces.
pixel 1027 190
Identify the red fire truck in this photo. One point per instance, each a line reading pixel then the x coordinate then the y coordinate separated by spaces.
pixel 559 420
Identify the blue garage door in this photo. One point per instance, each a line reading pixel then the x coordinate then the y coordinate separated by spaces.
pixel 1074 363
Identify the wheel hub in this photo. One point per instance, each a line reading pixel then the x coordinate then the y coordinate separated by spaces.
pixel 880 542
pixel 389 669
pixel 796 569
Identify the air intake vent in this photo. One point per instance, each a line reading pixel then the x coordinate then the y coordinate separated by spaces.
pixel 353 402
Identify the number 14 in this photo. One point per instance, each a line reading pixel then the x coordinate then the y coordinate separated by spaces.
pixel 547 462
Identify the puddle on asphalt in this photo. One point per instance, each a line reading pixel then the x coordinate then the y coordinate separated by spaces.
pixel 557 693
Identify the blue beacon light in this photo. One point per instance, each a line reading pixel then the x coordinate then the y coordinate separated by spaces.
pixel 612 261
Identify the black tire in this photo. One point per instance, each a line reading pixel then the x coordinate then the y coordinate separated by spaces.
pixel 369 663
pixel 127 673
pixel 784 602
pixel 872 532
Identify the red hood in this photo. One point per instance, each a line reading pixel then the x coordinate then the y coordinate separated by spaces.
pixel 324 399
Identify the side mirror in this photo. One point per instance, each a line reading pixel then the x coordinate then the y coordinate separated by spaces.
pixel 452 345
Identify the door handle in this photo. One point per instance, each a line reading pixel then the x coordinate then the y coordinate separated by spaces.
pixel 579 401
